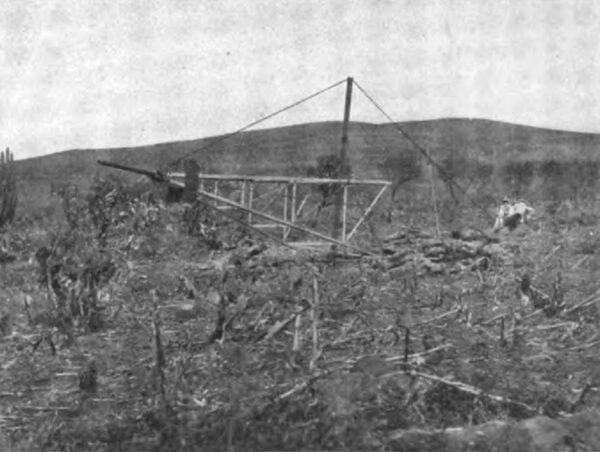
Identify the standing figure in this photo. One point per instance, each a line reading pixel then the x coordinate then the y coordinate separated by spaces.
pixel 510 215
pixel 504 212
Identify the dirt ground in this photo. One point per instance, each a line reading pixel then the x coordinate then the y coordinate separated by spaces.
pixel 260 348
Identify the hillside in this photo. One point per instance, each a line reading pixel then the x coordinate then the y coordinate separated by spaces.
pixel 135 326
pixel 288 150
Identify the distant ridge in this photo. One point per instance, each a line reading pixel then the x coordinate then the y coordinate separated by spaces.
pixel 289 149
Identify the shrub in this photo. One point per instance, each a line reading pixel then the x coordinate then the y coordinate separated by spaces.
pixel 76 265
pixel 517 176
pixel 581 179
pixel 328 166
pixel 553 175
pixel 455 167
pixel 401 168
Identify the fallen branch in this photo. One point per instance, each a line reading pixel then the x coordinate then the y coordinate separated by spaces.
pixel 281 325
pixel 297 325
pixel 570 325
pixel 297 388
pixel 533 314
pixel 108 400
pixel 580 261
pixel 357 336
pixel 259 315
pixel 588 344
pixel 591 299
pixel 143 361
pixel 493 319
pixel 47 409
pixel 551 253
pixel 439 317
pixel 6 417
pixel 301 386
pixel 421 354
pixel 392 359
pixel 542 355
pixel 474 391
pixel 66 374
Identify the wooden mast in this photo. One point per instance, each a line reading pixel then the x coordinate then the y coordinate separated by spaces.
pixel 345 167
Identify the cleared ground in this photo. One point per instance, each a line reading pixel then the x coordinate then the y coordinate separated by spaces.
pixel 315 352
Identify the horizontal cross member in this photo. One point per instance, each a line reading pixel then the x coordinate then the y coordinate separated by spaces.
pixel 284 180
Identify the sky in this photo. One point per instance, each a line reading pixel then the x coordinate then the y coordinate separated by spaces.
pixel 95 73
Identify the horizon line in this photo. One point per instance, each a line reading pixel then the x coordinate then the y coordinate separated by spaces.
pixel 301 124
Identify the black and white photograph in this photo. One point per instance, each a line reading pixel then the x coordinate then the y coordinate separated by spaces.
pixel 363 225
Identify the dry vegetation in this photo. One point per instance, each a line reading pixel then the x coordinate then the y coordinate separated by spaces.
pixel 131 325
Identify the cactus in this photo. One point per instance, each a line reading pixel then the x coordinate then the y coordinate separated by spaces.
pixel 8 188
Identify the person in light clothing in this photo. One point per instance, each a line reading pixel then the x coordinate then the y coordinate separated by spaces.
pixel 510 215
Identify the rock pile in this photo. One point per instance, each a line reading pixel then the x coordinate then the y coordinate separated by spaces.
pixel 451 252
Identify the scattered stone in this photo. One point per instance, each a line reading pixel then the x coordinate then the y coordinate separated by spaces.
pixel 456 251
pixel 182 312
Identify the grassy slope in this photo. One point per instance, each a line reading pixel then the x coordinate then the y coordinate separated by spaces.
pixel 287 150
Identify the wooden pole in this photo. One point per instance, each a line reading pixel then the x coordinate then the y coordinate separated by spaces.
pixel 269 179
pixel 297 340
pixel 285 210
pixel 345 167
pixel 243 194
pixel 250 199
pixel 434 201
pixel 302 203
pixel 344 211
pixel 294 190
pixel 293 206
pixel 367 212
